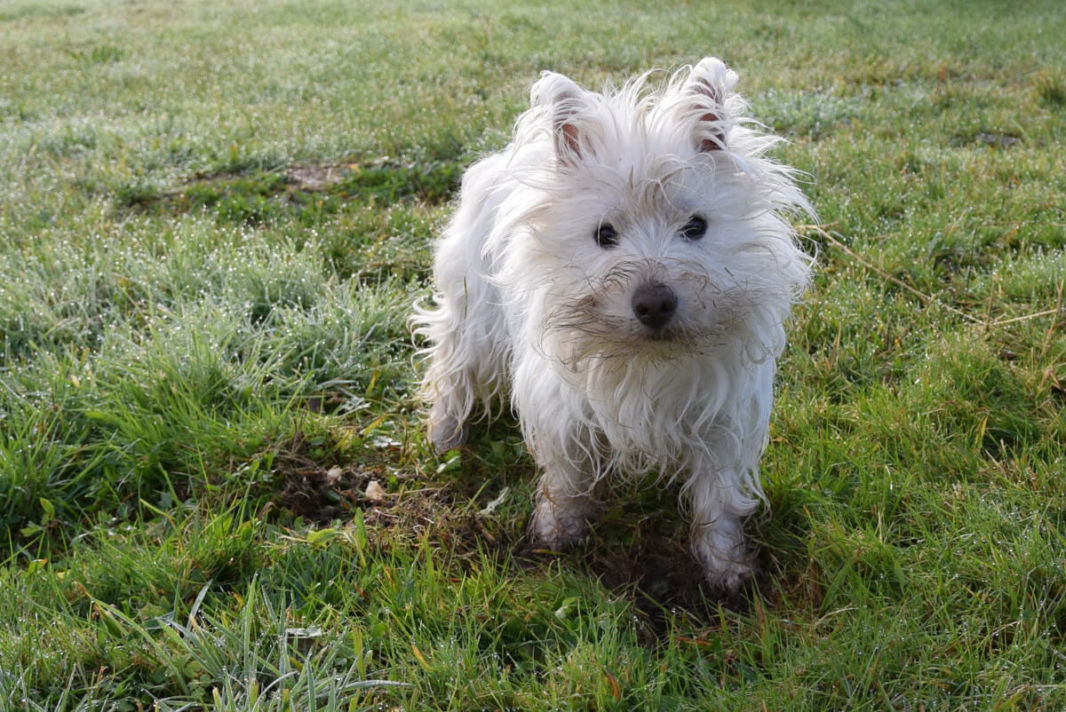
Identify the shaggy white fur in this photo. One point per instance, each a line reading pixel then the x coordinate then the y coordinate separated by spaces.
pixel 623 270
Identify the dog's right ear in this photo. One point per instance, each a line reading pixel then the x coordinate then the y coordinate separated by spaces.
pixel 708 85
pixel 565 99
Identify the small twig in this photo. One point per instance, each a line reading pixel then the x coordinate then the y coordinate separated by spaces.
pixel 833 240
pixel 1024 317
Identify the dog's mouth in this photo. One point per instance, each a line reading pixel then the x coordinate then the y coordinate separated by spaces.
pixel 654 323
pixel 606 339
pixel 660 335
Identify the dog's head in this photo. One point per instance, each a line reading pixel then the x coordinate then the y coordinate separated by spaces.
pixel 649 221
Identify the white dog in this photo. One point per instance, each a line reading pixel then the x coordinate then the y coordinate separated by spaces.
pixel 623 270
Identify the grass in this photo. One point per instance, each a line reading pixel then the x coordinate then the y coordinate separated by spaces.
pixel 214 220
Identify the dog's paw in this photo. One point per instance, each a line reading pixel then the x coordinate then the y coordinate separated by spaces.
pixel 729 578
pixel 556 527
pixel 728 564
pixel 445 432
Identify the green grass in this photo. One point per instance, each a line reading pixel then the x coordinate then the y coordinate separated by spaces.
pixel 214 218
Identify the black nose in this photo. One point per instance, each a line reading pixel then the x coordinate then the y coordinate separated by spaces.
pixel 654 305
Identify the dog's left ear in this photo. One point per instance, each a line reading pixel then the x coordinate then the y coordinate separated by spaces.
pixel 708 85
pixel 566 100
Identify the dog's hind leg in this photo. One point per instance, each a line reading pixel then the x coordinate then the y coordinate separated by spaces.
pixel 467 359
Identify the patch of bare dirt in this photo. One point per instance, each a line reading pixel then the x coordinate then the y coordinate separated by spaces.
pixel 398 509
pixel 641 549
pixel 317 178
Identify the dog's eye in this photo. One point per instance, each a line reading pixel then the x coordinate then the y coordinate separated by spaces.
pixel 694 229
pixel 606 235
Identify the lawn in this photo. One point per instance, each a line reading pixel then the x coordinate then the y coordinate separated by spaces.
pixel 215 493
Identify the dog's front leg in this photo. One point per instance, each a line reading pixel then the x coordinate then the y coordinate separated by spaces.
pixel 564 500
pixel 718 509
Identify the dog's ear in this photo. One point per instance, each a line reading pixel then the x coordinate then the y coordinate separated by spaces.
pixel 708 85
pixel 565 99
